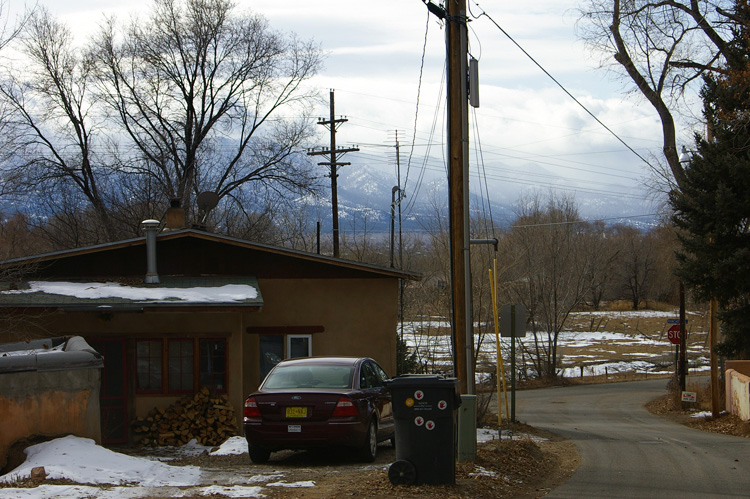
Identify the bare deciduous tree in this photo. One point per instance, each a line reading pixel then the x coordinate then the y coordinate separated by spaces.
pixel 602 255
pixel 661 46
pixel 549 271
pixel 637 263
pixel 198 89
pixel 55 125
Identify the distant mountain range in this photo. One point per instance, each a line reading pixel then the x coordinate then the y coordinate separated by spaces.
pixel 365 194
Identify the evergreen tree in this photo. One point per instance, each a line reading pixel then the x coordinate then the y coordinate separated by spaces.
pixel 406 361
pixel 712 207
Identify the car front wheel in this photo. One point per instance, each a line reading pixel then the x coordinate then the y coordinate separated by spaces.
pixel 258 455
pixel 370 448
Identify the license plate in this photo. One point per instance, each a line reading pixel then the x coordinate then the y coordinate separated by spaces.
pixel 294 428
pixel 296 412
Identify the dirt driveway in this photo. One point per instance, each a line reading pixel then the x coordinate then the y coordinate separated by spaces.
pixel 518 468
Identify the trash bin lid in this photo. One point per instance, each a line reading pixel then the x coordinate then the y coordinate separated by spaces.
pixel 421 380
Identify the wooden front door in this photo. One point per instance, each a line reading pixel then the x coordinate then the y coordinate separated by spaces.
pixel 113 400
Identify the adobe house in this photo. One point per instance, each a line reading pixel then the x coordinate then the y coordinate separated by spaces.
pixel 192 309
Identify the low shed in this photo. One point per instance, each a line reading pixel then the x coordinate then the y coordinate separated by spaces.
pixel 48 388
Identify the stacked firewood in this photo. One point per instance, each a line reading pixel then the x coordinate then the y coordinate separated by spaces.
pixel 207 418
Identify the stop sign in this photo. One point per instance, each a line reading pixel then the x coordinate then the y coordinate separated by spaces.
pixel 673 333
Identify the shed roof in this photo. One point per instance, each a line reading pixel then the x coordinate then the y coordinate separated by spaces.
pixel 201 243
pixel 51 354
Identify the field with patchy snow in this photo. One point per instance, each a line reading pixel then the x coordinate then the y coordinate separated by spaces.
pixel 592 344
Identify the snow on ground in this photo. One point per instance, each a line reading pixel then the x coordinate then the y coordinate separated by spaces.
pixel 608 368
pixel 642 361
pixel 81 460
pixel 593 349
pixel 490 434
pixel 112 475
pixel 127 477
pixel 633 313
pixel 234 445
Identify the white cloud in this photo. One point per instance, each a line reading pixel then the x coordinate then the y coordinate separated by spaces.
pixel 374 54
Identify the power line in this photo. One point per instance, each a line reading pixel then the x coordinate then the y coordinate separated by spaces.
pixel 561 86
pixel 416 111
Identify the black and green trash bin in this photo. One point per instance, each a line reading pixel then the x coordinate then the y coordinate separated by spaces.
pixel 425 412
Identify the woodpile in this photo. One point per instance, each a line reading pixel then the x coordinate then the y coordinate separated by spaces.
pixel 207 418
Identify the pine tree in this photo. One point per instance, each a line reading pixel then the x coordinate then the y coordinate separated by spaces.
pixel 712 207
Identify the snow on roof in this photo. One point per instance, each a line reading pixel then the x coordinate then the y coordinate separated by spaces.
pixel 97 290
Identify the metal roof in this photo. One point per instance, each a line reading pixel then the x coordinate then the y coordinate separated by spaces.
pixel 340 262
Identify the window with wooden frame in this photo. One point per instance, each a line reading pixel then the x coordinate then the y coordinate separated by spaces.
pixel 181 365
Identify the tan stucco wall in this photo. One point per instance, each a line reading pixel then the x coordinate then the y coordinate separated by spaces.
pixel 359 316
pixel 738 394
pixel 53 404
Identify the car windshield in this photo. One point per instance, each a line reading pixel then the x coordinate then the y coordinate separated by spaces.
pixel 309 376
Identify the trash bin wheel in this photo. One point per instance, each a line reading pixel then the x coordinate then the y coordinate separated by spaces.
pixel 402 473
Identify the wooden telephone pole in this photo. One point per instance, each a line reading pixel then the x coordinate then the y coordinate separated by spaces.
pixel 458 185
pixel 458 181
pixel 458 207
pixel 334 152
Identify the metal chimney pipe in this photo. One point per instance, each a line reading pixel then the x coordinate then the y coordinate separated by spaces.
pixel 151 227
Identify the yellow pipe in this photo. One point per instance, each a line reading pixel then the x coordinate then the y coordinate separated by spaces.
pixel 499 361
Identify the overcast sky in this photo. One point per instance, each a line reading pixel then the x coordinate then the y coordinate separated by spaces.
pixel 532 134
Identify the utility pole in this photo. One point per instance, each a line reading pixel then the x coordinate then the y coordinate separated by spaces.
pixel 683 341
pixel 334 153
pixel 397 203
pixel 713 334
pixel 458 187
pixel 458 181
pixel 400 198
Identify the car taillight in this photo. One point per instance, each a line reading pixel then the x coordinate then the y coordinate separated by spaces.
pixel 345 408
pixel 251 408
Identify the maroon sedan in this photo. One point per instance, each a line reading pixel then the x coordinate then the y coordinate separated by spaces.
pixel 318 402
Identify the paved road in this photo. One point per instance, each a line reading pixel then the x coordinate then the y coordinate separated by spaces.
pixel 628 452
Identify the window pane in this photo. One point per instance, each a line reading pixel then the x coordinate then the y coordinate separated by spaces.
pixel 299 346
pixel 318 376
pixel 373 380
pixel 148 365
pixel 181 365
pixel 380 372
pixel 271 353
pixel 213 364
